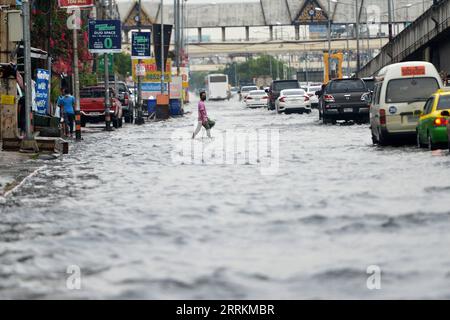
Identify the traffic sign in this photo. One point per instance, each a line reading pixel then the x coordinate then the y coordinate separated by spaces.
pixel 75 3
pixel 140 45
pixel 105 36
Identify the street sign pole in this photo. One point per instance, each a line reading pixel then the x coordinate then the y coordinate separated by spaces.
pixel 139 119
pixel 73 23
pixel 107 95
pixel 28 144
pixel 162 47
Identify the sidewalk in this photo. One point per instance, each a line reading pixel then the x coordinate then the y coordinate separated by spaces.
pixel 14 168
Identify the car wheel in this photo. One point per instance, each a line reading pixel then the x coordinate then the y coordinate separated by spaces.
pixel 115 123
pixel 431 145
pixel 374 139
pixel 320 115
pixel 325 120
pixel 120 122
pixel 382 140
pixel 308 111
pixel 418 142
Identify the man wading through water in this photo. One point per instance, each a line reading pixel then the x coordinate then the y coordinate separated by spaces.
pixel 203 117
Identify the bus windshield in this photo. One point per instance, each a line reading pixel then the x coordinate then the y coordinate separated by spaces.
pixel 218 79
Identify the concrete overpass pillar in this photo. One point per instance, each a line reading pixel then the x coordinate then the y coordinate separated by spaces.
pixel 223 34
pixel 427 54
pixel 199 31
pixel 297 32
pixel 247 33
pixel 271 32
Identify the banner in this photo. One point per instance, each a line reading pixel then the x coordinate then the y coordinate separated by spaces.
pixel 75 3
pixel 42 86
pixel 176 87
pixel 105 36
pixel 151 72
pixel 140 45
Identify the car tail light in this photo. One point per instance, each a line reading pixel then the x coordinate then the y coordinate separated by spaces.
pixel 265 97
pixel 248 98
pixel 382 116
pixel 328 98
pixel 306 98
pixel 310 94
pixel 283 99
pixel 125 97
pixel 440 122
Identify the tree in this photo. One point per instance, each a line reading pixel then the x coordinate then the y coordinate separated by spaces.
pixel 122 64
pixel 264 65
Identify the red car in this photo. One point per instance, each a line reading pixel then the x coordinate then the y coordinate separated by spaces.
pixel 92 106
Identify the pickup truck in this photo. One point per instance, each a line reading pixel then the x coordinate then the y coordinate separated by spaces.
pixel 92 106
pixel 344 99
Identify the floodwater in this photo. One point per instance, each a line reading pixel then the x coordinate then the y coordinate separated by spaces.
pixel 138 224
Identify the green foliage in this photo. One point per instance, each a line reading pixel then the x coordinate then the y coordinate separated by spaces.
pixel 87 79
pixel 197 80
pixel 122 64
pixel 254 67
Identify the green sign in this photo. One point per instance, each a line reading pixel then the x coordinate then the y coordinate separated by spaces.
pixel 101 63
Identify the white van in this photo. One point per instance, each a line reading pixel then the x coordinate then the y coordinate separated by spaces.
pixel 400 92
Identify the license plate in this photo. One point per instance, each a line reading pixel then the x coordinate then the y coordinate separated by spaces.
pixel 94 113
pixel 257 99
pixel 412 118
pixel 348 109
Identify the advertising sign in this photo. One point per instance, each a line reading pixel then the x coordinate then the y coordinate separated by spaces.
pixel 152 89
pixel 140 45
pixel 105 36
pixel 151 72
pixel 42 86
pixel 101 63
pixel 75 3
pixel 185 76
pixel 176 87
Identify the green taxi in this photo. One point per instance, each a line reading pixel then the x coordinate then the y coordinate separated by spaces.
pixel 432 125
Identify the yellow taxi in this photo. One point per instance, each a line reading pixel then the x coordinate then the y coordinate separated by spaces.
pixel 434 120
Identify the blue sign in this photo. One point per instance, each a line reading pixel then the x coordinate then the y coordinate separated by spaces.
pixel 42 90
pixel 140 45
pixel 153 86
pixel 105 36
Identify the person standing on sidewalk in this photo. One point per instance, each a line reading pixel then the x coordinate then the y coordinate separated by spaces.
pixel 67 108
pixel 203 117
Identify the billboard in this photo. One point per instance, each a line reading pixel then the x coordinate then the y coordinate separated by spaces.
pixel 105 36
pixel 140 45
pixel 75 3
pixel 151 71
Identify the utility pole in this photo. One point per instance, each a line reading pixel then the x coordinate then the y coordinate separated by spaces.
pixel 358 58
pixel 107 91
pixel 329 28
pixel 162 47
pixel 390 19
pixel 139 118
pixel 76 77
pixel 28 144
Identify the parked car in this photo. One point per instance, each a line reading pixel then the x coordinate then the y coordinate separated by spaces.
pixel 92 106
pixel 124 95
pixel 245 91
pixel 400 92
pixel 432 126
pixel 275 89
pixel 344 99
pixel 311 92
pixel 293 100
pixel 256 99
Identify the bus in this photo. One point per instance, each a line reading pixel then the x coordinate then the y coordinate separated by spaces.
pixel 217 87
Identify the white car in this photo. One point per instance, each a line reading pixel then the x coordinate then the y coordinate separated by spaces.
pixel 245 91
pixel 293 100
pixel 311 92
pixel 256 99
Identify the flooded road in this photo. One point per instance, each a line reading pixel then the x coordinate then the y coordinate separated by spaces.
pixel 139 225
